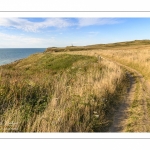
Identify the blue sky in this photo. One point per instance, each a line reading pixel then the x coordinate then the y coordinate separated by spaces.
pixel 47 32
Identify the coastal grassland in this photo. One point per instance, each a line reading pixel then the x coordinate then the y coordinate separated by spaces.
pixel 59 93
pixel 137 44
pixel 137 57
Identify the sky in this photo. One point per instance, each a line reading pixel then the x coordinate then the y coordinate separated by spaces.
pixel 61 32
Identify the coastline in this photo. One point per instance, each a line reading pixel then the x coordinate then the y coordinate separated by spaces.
pixel 24 52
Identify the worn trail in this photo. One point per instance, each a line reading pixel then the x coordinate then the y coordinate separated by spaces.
pixel 132 115
pixel 120 117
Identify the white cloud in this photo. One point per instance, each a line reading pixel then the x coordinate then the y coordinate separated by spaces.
pixel 9 41
pixel 29 26
pixel 96 21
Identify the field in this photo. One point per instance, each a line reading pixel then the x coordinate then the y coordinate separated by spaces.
pixel 135 57
pixel 59 93
pixel 78 89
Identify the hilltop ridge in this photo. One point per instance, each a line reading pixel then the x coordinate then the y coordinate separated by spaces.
pixel 135 43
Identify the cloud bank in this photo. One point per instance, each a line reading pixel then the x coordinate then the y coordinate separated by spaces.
pixel 30 26
pixel 96 21
pixel 9 41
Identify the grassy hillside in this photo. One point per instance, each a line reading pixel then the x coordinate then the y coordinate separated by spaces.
pixel 52 92
pixel 111 46
pixel 136 55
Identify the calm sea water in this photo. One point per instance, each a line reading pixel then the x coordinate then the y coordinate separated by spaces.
pixel 8 55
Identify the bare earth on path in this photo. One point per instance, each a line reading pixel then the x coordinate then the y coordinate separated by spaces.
pixel 119 120
pixel 132 115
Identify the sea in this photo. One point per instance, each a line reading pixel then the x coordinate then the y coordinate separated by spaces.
pixel 8 55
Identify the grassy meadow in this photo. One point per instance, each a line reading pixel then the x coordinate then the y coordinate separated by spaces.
pixel 136 55
pixel 137 58
pixel 73 89
pixel 58 92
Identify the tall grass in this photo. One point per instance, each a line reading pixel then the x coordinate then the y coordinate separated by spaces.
pixel 138 58
pixel 59 93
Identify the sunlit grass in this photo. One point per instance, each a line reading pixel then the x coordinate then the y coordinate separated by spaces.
pixel 59 93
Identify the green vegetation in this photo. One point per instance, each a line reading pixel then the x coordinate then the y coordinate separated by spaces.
pixel 59 93
pixel 112 46
pixel 73 90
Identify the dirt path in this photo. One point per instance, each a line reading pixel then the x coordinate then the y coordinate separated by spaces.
pixel 120 117
pixel 132 115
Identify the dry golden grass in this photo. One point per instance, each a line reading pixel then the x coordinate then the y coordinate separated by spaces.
pixel 73 108
pixel 59 93
pixel 134 54
pixel 138 58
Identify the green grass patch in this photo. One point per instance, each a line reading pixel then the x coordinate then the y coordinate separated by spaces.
pixel 47 61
